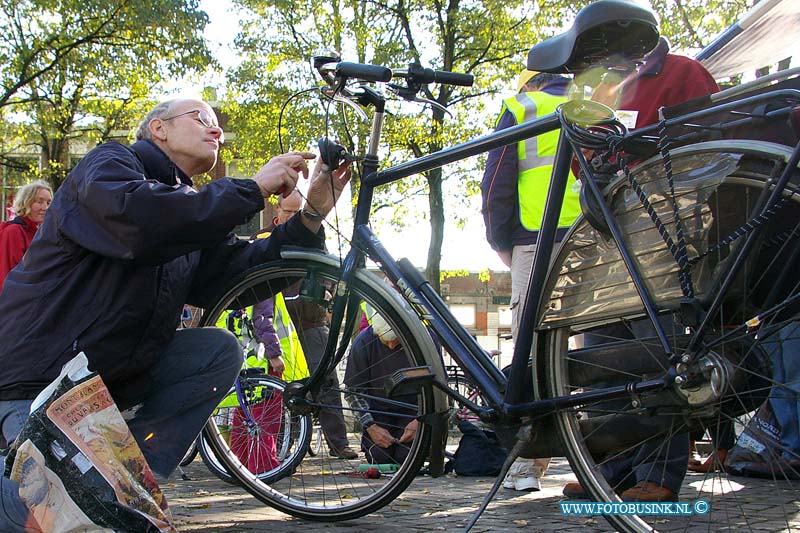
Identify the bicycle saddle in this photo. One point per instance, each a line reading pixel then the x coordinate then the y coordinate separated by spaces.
pixel 601 29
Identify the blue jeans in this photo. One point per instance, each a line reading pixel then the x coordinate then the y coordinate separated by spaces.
pixel 193 374
pixel 13 512
pixel 784 348
pixel 662 462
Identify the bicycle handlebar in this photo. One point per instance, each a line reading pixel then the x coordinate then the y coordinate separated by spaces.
pixel 418 74
pixel 414 74
pixel 363 71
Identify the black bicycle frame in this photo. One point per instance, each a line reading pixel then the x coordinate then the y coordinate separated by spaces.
pixel 506 396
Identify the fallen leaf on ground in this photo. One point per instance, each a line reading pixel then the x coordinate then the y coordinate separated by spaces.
pixel 199 506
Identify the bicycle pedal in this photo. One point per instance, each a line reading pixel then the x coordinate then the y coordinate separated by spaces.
pixel 409 380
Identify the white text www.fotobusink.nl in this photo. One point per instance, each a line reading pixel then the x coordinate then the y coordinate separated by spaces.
pixel 631 508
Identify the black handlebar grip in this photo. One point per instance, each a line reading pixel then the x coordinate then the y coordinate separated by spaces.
pixel 418 74
pixel 453 78
pixel 363 71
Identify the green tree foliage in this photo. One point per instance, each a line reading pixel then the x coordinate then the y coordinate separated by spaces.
pixel 482 38
pixel 487 38
pixel 82 67
pixel 693 24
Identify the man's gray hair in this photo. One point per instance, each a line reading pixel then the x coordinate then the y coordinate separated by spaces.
pixel 160 111
pixel 23 200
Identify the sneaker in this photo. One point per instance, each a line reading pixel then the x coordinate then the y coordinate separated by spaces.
pixel 508 482
pixel 647 491
pixel 528 484
pixel 345 453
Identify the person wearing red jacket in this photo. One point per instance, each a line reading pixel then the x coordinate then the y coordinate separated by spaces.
pixel 30 204
pixel 664 80
pixel 655 470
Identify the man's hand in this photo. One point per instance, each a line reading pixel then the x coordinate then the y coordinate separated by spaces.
pixel 409 432
pixel 277 364
pixel 324 191
pixel 281 173
pixel 380 436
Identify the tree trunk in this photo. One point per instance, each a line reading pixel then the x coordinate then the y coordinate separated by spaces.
pixel 55 161
pixel 433 268
pixel 436 204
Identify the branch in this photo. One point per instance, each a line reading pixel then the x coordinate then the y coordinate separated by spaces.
pixel 698 42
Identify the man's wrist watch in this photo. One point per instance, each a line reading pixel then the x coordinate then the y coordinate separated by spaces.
pixel 310 215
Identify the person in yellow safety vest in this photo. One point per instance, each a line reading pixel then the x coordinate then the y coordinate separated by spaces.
pixel 282 355
pixel 273 327
pixel 366 316
pixel 514 191
pixel 515 182
pixel 261 457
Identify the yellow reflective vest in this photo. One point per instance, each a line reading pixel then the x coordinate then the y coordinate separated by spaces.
pixel 293 357
pixel 291 350
pixel 536 156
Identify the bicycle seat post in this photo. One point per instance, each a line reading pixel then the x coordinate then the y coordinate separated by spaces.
pixel 370 98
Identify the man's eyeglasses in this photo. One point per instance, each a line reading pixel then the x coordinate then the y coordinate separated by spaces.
pixel 203 117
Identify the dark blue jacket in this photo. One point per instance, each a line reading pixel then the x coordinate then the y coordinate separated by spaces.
pixel 126 242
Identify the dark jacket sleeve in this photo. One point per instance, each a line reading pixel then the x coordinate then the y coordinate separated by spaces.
pixel 224 263
pixel 117 212
pixel 264 326
pixel 499 190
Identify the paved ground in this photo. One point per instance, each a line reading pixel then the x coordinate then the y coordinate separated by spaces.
pixel 206 504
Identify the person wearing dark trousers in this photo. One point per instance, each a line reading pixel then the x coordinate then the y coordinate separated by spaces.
pixel 127 241
pixel 655 471
pixel 388 428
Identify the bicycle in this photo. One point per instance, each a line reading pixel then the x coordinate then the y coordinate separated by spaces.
pixel 255 423
pixel 721 302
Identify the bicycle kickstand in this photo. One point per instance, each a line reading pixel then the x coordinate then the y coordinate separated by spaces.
pixel 523 436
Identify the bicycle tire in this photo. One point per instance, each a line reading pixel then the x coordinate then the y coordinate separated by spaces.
pixel 746 354
pixel 324 487
pixel 190 454
pixel 266 443
pixel 316 441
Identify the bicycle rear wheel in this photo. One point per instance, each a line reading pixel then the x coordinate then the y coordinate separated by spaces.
pixel 267 439
pixel 324 486
pixel 615 445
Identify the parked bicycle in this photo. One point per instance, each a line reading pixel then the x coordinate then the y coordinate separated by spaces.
pixel 256 426
pixel 730 204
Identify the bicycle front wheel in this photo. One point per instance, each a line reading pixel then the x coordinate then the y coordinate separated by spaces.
pixel 636 449
pixel 331 484
pixel 267 439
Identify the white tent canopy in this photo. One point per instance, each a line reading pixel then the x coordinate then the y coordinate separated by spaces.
pixel 765 35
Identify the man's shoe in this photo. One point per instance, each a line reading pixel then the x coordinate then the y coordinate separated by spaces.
pixel 647 491
pixel 574 491
pixel 345 453
pixel 713 463
pixel 528 484
pixel 508 482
